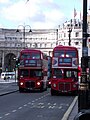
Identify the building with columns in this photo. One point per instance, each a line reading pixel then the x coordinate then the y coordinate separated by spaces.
pixel 11 42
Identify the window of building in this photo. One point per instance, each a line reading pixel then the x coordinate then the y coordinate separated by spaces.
pixel 64 34
pixel 77 34
pixel 45 45
pixel 40 45
pixel 76 43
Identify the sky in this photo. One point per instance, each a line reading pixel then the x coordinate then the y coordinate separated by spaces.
pixel 38 14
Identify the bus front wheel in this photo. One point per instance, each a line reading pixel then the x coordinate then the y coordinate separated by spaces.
pixel 21 89
pixel 53 92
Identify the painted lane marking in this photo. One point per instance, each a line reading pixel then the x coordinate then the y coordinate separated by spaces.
pixel 67 113
pixel 51 107
pixel 25 105
pixel 36 99
pixel 29 103
pixel 48 103
pixel 14 110
pixel 40 105
pixel 7 114
pixel 60 107
pixel 20 108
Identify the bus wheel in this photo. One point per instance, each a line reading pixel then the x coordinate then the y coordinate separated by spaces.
pixel 21 89
pixel 53 92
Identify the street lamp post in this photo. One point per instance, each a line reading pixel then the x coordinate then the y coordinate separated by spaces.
pixel 70 30
pixel 83 87
pixel 24 31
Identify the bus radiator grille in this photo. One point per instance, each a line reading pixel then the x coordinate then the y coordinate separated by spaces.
pixel 30 84
pixel 64 87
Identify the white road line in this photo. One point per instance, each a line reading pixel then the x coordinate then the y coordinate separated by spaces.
pixel 20 108
pixel 29 103
pixel 39 98
pixel 60 107
pixel 42 106
pixel 36 99
pixel 67 113
pixel 51 107
pixel 48 103
pixel 54 104
pixel 25 105
pixel 7 114
pixel 32 103
pixel 14 110
pixel 40 103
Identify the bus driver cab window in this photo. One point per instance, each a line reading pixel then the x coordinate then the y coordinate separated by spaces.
pixel 32 73
pixel 58 73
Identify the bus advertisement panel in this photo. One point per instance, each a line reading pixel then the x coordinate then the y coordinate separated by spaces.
pixel 65 63
pixel 32 71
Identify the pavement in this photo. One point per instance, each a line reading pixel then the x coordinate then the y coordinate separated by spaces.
pixel 74 110
pixel 10 86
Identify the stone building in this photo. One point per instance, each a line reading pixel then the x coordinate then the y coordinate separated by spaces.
pixel 11 42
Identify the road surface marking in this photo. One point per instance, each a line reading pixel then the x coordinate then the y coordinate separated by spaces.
pixel 7 114
pixel 14 110
pixel 67 113
pixel 20 108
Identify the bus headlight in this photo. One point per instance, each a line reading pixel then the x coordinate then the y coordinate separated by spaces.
pixel 21 83
pixel 38 83
pixel 49 82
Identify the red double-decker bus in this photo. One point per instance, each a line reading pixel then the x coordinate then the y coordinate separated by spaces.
pixel 65 63
pixel 32 71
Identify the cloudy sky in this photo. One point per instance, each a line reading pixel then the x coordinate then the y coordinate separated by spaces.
pixel 39 14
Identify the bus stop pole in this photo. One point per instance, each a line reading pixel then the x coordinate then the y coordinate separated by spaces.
pixel 83 86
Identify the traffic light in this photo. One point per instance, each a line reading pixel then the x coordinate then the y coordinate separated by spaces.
pixel 17 62
pixel 6 68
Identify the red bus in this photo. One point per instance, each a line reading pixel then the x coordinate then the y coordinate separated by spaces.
pixel 65 63
pixel 32 71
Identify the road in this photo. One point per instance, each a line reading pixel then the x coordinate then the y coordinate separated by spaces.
pixel 34 106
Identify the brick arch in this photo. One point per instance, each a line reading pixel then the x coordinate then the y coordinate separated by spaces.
pixel 9 62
